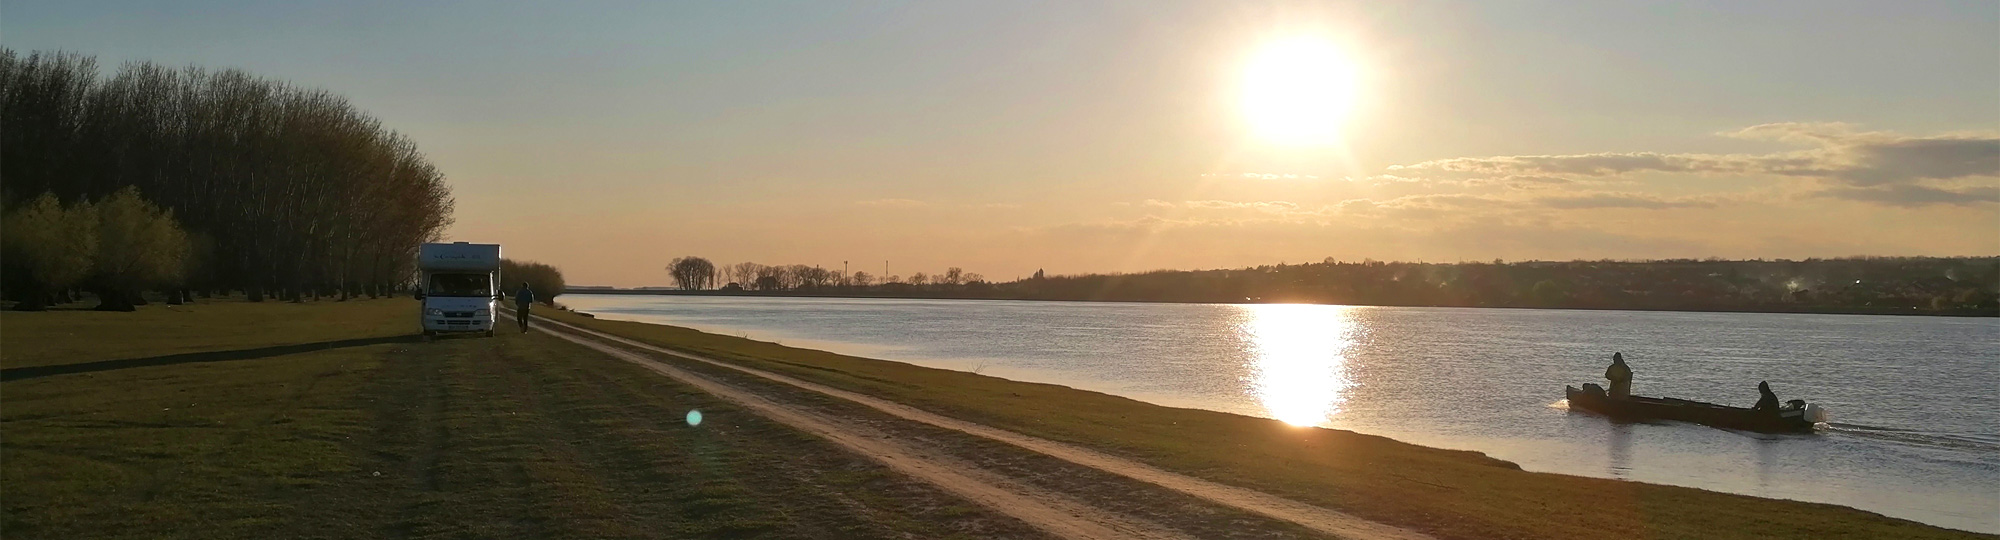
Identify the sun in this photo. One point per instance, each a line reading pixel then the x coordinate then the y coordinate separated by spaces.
pixel 1300 91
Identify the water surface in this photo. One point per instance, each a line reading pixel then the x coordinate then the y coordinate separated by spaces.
pixel 1915 431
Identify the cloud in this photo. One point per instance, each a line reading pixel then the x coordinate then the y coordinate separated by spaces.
pixel 1879 167
pixel 1902 161
pixel 1264 206
pixel 1512 181
pixel 1623 200
pixel 1911 196
pixel 1447 200
pixel 1606 164
pixel 1458 206
pixel 1582 201
pixel 892 203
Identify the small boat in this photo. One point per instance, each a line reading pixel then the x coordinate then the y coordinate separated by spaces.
pixel 1793 417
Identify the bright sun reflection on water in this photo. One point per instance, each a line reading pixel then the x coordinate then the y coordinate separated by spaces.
pixel 1298 366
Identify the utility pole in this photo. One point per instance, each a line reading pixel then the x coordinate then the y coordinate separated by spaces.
pixel 885 269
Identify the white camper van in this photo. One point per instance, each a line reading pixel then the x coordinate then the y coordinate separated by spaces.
pixel 460 282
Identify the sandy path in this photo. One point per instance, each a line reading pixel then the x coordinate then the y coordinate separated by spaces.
pixel 1050 512
pixel 1327 521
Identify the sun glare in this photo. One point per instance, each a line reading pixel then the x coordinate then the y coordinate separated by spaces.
pixel 1300 91
pixel 1298 364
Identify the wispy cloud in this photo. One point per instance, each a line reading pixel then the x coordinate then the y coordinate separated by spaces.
pixel 1911 196
pixel 1638 201
pixel 1877 167
pixel 1262 206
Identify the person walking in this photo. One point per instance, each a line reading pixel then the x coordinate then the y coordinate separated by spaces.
pixel 523 299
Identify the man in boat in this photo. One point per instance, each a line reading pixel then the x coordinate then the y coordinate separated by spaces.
pixel 1620 376
pixel 1769 400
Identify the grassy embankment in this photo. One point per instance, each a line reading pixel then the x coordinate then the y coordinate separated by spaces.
pixel 273 420
pixel 1451 494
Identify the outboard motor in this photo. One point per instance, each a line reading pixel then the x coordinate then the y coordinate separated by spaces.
pixel 1816 414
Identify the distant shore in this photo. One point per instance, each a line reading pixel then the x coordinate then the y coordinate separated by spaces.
pixel 834 293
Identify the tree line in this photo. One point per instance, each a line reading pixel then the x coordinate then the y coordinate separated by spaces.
pixel 279 190
pixel 1905 285
pixel 695 273
pixel 1932 285
pixel 545 280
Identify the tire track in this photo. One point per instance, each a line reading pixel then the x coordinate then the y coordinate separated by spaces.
pixel 1331 522
pixel 1045 510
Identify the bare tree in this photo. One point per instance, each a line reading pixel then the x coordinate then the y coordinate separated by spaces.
pixel 692 273
pixel 772 278
pixel 747 273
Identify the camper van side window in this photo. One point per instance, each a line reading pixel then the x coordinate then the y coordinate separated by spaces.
pixel 460 285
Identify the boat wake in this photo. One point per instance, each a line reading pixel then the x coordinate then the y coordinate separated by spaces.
pixel 1951 441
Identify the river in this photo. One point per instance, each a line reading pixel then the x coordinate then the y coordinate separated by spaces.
pixel 1915 401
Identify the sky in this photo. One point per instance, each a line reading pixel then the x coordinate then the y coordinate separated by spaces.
pixel 608 138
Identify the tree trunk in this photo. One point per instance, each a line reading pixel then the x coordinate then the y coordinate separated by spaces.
pixel 256 294
pixel 114 300
pixel 35 300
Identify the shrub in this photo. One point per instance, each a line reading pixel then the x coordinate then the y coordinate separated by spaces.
pixel 138 246
pixel 47 247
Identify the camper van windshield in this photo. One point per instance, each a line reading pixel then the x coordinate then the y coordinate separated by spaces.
pixel 460 285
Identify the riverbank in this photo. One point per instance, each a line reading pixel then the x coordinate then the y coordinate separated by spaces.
pixel 333 420
pixel 1446 493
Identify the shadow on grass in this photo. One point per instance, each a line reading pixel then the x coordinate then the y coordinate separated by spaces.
pixel 31 372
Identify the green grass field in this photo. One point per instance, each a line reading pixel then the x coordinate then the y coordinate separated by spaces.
pixel 1451 494
pixel 199 422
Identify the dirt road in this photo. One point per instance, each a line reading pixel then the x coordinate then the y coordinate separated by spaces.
pixel 1049 510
